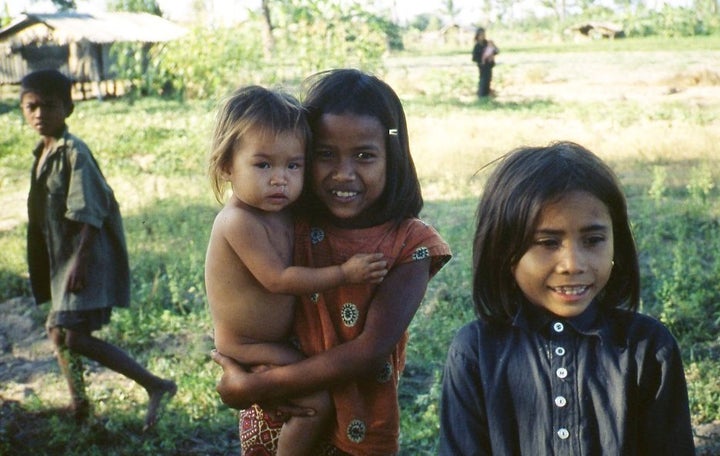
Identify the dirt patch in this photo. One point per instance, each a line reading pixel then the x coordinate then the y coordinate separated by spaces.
pixel 645 77
pixel 25 351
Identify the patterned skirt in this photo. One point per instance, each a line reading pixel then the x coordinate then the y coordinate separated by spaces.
pixel 260 431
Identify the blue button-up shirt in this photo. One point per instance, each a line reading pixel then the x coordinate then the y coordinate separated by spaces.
pixel 602 383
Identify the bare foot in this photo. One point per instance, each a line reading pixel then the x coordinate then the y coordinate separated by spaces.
pixel 158 396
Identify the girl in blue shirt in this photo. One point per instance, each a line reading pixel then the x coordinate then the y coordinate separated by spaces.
pixel 559 362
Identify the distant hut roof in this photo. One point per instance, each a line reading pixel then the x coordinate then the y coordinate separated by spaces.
pixel 101 28
pixel 598 29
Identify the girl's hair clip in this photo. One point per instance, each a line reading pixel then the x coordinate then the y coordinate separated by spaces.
pixel 393 132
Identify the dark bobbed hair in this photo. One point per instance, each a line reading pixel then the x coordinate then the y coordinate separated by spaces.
pixel 252 108
pixel 350 91
pixel 48 83
pixel 525 181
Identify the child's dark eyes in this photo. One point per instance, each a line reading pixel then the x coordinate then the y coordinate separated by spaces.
pixel 30 107
pixel 267 165
pixel 365 156
pixel 547 242
pixel 591 241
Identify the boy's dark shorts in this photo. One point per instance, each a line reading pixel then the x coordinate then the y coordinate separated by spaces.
pixel 84 321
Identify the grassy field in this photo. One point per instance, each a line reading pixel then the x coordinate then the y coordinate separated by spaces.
pixel 652 111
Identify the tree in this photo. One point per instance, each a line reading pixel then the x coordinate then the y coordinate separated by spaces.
pixel 5 18
pixel 558 7
pixel 65 5
pixel 451 11
pixel 268 37
pixel 135 6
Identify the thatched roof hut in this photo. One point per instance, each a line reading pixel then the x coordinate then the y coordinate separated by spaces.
pixel 75 43
pixel 597 30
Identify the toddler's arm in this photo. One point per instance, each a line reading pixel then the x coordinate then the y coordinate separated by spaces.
pixel 251 241
pixel 253 354
pixel 297 280
pixel 393 307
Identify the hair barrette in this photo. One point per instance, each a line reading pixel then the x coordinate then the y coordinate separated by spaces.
pixel 393 132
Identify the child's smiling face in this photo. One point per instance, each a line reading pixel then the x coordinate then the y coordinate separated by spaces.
pixel 570 259
pixel 349 163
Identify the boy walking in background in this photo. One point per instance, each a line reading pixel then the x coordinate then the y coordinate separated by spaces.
pixel 76 246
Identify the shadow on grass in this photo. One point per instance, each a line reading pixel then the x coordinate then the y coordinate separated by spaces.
pixel 26 431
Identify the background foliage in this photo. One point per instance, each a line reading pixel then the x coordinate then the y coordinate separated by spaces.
pixel 311 35
pixel 153 149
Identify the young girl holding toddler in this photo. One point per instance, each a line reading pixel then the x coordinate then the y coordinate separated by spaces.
pixel 364 196
pixel 259 147
pixel 559 362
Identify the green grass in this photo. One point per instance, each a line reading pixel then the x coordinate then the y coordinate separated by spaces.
pixel 153 154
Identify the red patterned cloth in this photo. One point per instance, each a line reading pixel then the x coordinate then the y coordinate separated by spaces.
pixel 367 415
pixel 259 432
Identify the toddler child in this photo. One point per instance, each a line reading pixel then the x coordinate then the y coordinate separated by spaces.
pixel 259 148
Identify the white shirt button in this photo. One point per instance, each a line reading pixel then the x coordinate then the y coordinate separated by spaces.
pixel 561 372
pixel 563 433
pixel 560 351
pixel 558 327
pixel 560 401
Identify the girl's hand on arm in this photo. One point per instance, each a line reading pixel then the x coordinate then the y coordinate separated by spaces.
pixel 365 268
pixel 393 307
pixel 232 383
pixel 231 388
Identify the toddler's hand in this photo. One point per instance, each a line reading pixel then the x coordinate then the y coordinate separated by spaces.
pixel 365 268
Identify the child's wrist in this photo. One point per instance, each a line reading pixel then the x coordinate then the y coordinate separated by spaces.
pixel 343 274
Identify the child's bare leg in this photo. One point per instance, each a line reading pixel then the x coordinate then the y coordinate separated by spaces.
pixel 116 359
pixel 164 391
pixel 71 367
pixel 299 435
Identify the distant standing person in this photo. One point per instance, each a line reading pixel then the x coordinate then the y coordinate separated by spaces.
pixel 76 246
pixel 483 55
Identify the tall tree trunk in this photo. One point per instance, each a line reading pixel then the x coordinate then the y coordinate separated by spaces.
pixel 268 38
